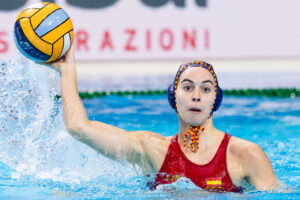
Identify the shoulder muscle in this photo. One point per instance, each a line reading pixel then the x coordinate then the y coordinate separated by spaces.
pixel 255 163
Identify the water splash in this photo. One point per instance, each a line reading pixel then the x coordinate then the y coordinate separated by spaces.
pixel 33 138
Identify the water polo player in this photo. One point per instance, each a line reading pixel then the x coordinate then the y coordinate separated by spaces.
pixel 210 158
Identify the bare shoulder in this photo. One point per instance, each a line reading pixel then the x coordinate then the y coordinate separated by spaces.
pixel 152 137
pixel 242 148
pixel 155 147
pixel 151 140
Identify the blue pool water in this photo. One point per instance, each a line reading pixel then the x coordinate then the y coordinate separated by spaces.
pixel 40 160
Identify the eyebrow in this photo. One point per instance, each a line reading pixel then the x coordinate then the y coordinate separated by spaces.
pixel 206 81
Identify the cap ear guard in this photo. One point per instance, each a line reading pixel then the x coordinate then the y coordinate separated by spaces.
pixel 171 92
pixel 219 99
pixel 171 96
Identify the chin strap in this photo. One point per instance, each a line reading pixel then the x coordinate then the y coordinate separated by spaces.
pixel 194 132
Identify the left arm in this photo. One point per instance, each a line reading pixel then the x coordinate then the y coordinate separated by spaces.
pixel 258 168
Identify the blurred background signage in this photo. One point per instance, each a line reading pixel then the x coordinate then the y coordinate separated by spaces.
pixel 172 29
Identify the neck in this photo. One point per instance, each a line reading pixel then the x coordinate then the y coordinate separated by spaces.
pixel 205 137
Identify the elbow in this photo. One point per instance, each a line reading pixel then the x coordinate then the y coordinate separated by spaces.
pixel 71 128
pixel 76 128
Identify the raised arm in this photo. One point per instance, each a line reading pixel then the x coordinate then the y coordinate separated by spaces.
pixel 138 147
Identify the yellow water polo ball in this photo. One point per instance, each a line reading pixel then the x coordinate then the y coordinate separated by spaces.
pixel 43 32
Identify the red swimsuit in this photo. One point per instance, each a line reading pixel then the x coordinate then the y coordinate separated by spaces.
pixel 211 176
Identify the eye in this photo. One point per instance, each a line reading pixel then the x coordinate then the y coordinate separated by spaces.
pixel 187 88
pixel 206 89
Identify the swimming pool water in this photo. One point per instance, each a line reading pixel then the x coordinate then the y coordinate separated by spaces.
pixel 40 160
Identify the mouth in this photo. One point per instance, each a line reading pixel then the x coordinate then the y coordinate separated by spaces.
pixel 195 110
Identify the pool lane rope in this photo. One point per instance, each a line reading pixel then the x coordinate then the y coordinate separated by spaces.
pixel 278 92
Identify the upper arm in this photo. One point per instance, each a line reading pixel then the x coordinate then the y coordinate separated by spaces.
pixel 258 167
pixel 117 143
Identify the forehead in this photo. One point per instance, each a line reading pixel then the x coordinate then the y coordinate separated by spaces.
pixel 196 74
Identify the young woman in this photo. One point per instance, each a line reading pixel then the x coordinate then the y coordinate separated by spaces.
pixel 210 158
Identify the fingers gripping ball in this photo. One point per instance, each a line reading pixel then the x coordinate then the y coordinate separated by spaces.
pixel 43 32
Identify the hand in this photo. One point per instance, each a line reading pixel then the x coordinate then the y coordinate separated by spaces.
pixel 66 60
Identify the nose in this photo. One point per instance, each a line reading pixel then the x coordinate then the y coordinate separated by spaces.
pixel 196 96
pixel 196 99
